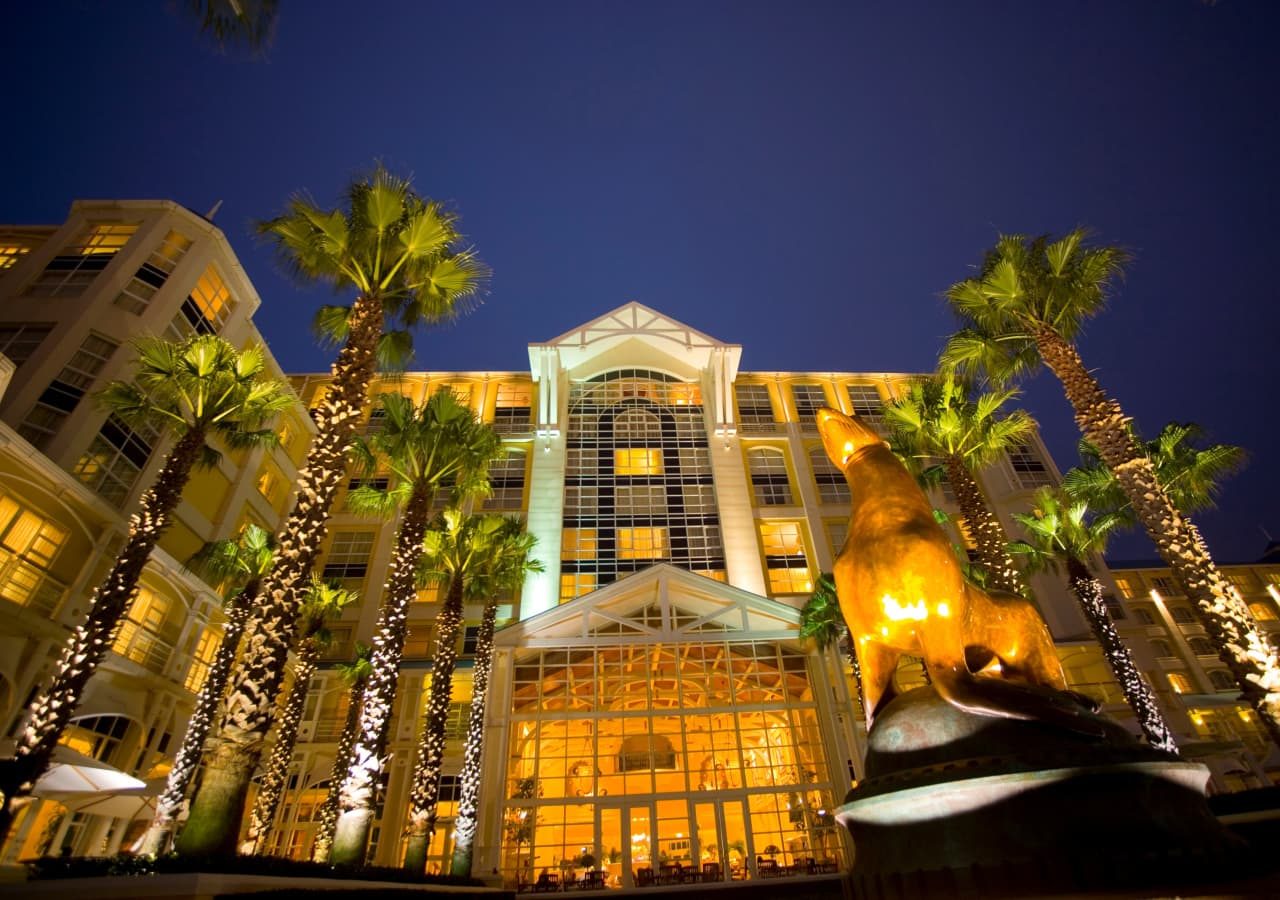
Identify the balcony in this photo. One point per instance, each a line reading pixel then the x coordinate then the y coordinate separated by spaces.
pixel 28 585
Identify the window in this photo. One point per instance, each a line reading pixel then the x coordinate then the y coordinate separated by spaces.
pixel 1125 586
pixel 206 309
pixel 95 736
pixel 1144 616
pixel 642 543
pixel 70 272
pixel 461 391
pixel 832 487
pixel 455 726
pixel 785 559
pixel 19 340
pixel 808 398
pixel 1201 647
pixel 348 558
pixel 1179 683
pixel 1114 609
pixel 1028 468
pixel 16 243
pixel 578 543
pixel 202 659
pixel 1165 586
pixel 153 273
pixel 866 403
pixel 470 638
pixel 1262 612
pixel 837 532
pixel 63 394
pixel 512 409
pixel 755 412
pixel 575 584
pixel 28 545
pixel 1221 680
pixel 149 631
pixel 506 479
pixel 637 461
pixel 1182 615
pixel 114 460
pixel 377 420
pixel 644 500
pixel 769 482
pixel 1161 649
pixel 270 484
pixel 1242 581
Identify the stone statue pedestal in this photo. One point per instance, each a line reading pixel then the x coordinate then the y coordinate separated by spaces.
pixel 957 805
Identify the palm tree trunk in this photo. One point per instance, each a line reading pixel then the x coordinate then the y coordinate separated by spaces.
pixel 187 759
pixel 468 800
pixel 51 710
pixel 248 707
pixel 425 796
pixel 1136 691
pixel 989 537
pixel 1220 610
pixel 357 798
pixel 273 780
pixel 328 817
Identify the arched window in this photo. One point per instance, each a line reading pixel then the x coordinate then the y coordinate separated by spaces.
pixel 1179 683
pixel 96 736
pixel 1201 647
pixel 1161 649
pixel 1222 680
pixel 832 488
pixel 769 480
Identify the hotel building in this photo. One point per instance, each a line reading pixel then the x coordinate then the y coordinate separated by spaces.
pixel 651 700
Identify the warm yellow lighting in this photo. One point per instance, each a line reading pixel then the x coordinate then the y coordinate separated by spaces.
pixel 916 612
pixel 642 543
pixel 1197 719
pixel 944 610
pixel 637 461
pixel 847 451
pixel 1246 715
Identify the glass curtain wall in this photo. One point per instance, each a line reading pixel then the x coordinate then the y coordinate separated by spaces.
pixel 653 762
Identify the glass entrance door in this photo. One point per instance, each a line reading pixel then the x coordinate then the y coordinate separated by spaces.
pixel 611 856
pixel 640 845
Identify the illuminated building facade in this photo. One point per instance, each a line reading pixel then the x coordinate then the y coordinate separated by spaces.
pixel 651 701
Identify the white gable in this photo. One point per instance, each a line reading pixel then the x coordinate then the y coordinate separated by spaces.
pixel 660 604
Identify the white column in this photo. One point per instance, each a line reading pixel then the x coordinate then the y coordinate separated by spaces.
pixel 545 519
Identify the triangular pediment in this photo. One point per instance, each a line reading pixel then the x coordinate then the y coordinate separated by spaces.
pixel 660 604
pixel 636 335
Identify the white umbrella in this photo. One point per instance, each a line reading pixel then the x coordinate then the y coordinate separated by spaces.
pixel 73 775
pixel 124 804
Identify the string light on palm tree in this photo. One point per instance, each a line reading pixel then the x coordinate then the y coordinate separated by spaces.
pixel 322 603
pixel 196 390
pixel 399 254
pixel 1027 306
pixel 241 563
pixel 1062 534
pixel 355 675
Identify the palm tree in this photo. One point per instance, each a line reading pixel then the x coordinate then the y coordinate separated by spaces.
pixel 938 419
pixel 1060 534
pixel 1027 306
pixel 195 390
pixel 322 603
pixel 237 23
pixel 1189 474
pixel 438 444
pixel 355 675
pixel 240 564
pixel 822 622
pixel 505 570
pixel 456 549
pixel 395 250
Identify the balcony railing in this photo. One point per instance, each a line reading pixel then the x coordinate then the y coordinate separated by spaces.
pixel 28 585
pixel 143 647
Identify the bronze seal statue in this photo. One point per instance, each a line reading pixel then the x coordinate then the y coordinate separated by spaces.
pixel 901 590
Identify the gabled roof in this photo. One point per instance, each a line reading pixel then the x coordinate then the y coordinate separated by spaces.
pixel 587 349
pixel 661 603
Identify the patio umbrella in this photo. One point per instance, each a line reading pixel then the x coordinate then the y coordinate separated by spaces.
pixel 129 803
pixel 73 775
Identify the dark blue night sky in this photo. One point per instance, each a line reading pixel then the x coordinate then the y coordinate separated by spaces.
pixel 801 178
